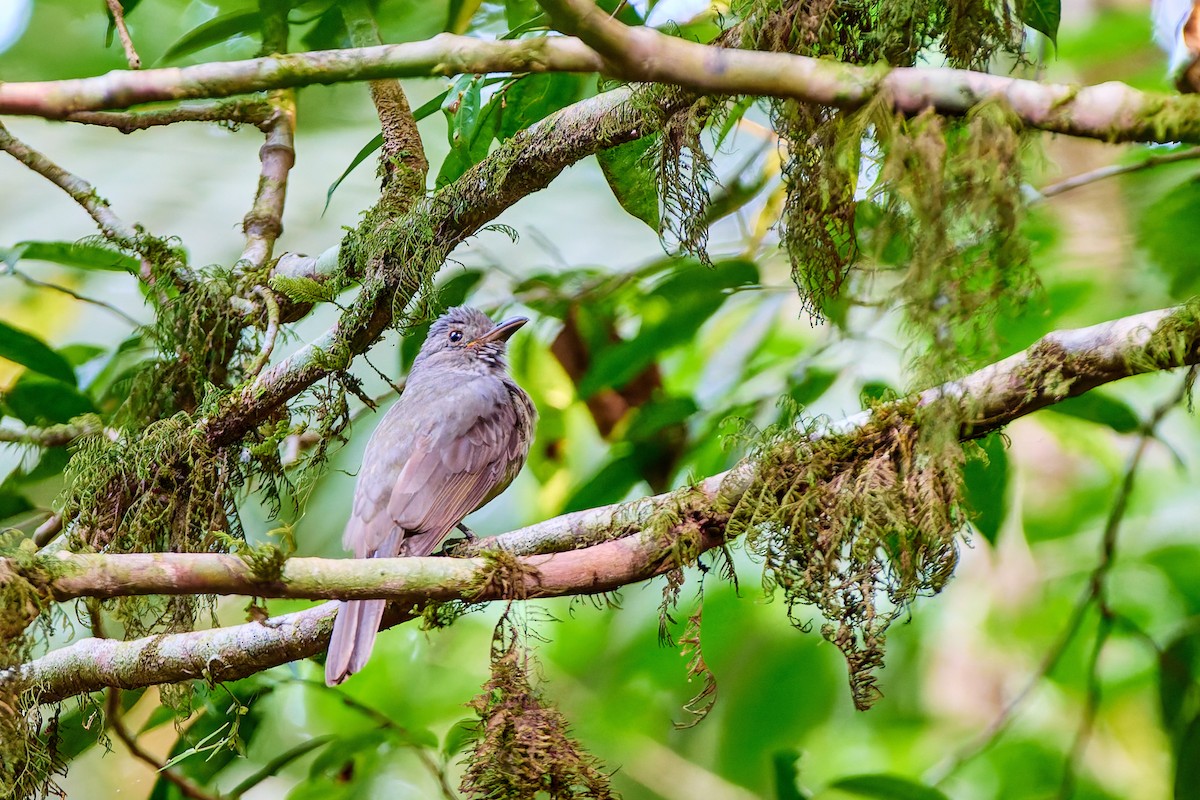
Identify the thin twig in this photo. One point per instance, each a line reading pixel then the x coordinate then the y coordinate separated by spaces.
pixel 80 190
pixel 83 193
pixel 45 532
pixel 32 281
pixel 236 112
pixel 118 17
pixel 1093 593
pixel 1098 586
pixel 1091 176
pixel 384 721
pixel 117 725
pixel 272 332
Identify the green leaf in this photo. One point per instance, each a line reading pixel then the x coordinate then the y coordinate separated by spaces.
pixel 520 13
pixel 280 761
pixel 607 485
pixel 304 290
pixel 652 417
pixel 88 255
pixel 985 482
pixel 630 172
pixel 886 787
pixel 1178 692
pixel 1104 409
pixel 471 126
pixel 1187 762
pixel 29 351
pixel 359 157
pixel 458 20
pixel 785 766
pixel 12 503
pixel 215 31
pixel 672 313
pixel 461 734
pixel 809 388
pixel 1163 233
pixel 536 97
pixel 1043 16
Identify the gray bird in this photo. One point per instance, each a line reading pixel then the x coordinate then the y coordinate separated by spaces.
pixel 455 439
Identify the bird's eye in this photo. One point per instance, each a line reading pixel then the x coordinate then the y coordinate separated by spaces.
pixel 456 336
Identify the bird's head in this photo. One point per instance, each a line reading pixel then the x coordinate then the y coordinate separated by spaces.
pixel 466 338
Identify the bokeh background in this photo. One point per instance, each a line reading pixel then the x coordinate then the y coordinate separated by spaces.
pixel 784 725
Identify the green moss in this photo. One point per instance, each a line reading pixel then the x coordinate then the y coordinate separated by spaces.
pixel 855 525
pixel 522 746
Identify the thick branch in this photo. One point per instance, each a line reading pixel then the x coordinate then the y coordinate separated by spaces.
pixel 1073 361
pixel 402 162
pixel 1110 111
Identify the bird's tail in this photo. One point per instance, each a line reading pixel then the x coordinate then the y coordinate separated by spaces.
pixel 354 633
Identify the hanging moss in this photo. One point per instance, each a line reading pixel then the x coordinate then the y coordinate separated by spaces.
pixel 855 525
pixel 953 197
pixel 522 745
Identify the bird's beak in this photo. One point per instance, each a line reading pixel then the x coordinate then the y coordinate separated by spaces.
pixel 502 331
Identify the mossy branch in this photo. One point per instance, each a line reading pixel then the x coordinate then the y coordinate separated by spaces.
pixel 1110 111
pixel 402 163
pixel 631 544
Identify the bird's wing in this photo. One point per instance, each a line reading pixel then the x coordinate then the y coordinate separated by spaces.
pixel 441 479
pixel 440 486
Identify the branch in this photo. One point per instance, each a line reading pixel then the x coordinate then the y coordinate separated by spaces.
pixel 1110 111
pixel 29 280
pixel 118 19
pixel 116 722
pixel 402 162
pixel 53 435
pixel 252 112
pixel 1074 360
pixel 80 190
pixel 264 223
pixel 1111 171
pixel 522 165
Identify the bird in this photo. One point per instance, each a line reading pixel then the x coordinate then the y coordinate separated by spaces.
pixel 455 439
